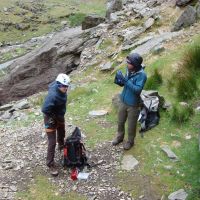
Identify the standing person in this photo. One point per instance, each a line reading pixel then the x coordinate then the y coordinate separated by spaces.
pixel 132 83
pixel 54 109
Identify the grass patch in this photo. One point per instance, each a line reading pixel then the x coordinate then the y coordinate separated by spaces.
pixel 43 190
pixel 154 81
pixel 76 19
pixel 181 114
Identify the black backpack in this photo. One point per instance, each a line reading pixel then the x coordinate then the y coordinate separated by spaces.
pixel 74 151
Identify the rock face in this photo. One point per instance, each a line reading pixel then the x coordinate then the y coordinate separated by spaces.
pixel 183 2
pixel 34 71
pixel 187 18
pixel 92 21
pixel 113 6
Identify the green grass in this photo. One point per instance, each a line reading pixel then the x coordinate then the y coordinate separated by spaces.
pixel 154 81
pixel 60 10
pixel 76 19
pixel 43 190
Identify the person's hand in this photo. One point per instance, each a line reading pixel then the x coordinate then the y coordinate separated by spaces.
pixel 121 77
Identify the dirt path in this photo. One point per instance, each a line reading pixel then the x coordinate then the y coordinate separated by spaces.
pixel 23 153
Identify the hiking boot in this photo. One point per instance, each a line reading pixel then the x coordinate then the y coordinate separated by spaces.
pixel 53 171
pixel 60 147
pixel 128 145
pixel 117 140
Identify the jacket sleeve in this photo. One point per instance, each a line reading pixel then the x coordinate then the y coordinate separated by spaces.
pixel 49 105
pixel 138 86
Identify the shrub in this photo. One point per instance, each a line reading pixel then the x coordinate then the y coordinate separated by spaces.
pixel 154 81
pixel 188 73
pixel 180 114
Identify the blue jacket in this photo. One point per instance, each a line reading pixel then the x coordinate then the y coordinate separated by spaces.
pixel 133 87
pixel 55 102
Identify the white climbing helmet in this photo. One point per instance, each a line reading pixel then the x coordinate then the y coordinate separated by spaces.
pixel 63 79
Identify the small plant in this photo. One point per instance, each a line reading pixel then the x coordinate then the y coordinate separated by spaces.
pixel 154 81
pixel 180 114
pixel 76 19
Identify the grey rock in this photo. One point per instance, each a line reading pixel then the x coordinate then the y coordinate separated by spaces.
pixel 92 21
pixel 98 113
pixel 113 6
pixel 149 23
pixel 169 152
pixel 129 162
pixel 136 44
pixel 57 55
pixel 183 2
pixel 187 18
pixel 24 104
pixel 107 67
pixel 178 195
pixel 158 49
pixel 6 107
pixel 13 188
pixel 157 40
pixel 6 116
pixel 130 34
pixel 114 18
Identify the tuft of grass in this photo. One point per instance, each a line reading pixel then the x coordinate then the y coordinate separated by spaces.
pixel 181 114
pixel 154 81
pixel 188 73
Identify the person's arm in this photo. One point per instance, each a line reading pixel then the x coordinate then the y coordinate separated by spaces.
pixel 49 105
pixel 138 86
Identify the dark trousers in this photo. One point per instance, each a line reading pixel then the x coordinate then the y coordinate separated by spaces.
pixel 54 127
pixel 131 113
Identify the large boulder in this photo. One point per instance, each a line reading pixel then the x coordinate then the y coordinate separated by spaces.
pixel 187 18
pixel 92 21
pixel 113 6
pixel 34 71
pixel 183 2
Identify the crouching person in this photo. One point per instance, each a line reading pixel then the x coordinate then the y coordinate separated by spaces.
pixel 54 109
pixel 132 83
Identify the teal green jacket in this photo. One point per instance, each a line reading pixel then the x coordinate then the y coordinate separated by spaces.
pixel 133 87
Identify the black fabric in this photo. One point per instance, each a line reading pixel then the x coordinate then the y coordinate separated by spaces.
pixel 74 150
pixel 148 120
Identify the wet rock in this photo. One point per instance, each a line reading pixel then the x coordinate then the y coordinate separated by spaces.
pixel 187 18
pixel 169 152
pixel 178 195
pixel 92 21
pixel 98 113
pixel 183 2
pixel 129 162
